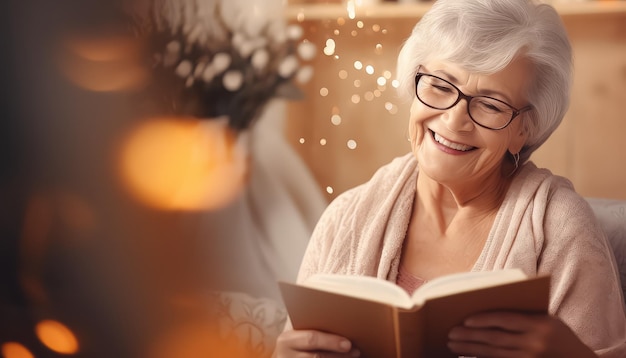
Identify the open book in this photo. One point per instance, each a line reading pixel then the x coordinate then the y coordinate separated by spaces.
pixel 382 320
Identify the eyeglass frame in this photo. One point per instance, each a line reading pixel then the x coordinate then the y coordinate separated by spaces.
pixel 468 99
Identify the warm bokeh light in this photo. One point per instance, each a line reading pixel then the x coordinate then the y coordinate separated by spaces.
pixel 76 213
pixel 57 337
pixel 35 235
pixel 103 64
pixel 15 350
pixel 350 7
pixel 183 164
pixel 196 339
pixel 109 48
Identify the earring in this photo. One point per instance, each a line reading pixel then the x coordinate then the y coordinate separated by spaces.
pixel 407 136
pixel 516 160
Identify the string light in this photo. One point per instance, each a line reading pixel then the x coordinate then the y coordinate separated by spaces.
pixel 329 49
pixel 370 87
pixel 350 6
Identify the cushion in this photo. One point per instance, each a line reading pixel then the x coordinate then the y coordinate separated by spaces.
pixel 252 322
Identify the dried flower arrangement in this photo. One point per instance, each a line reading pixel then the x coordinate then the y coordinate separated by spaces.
pixel 222 58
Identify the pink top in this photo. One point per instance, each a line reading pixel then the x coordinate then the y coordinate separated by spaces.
pixel 407 281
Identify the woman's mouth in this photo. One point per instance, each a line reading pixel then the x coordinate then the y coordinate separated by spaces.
pixel 452 145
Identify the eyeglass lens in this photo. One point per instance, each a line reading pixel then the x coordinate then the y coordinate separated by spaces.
pixel 438 93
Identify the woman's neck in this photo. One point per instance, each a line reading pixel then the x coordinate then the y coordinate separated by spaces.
pixel 466 200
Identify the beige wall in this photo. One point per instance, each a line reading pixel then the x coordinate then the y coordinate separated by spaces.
pixel 588 148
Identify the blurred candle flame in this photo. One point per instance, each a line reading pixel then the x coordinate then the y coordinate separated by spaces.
pixel 104 48
pixel 103 64
pixel 57 337
pixel 15 350
pixel 183 164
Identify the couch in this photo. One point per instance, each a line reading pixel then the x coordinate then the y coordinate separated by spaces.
pixel 611 214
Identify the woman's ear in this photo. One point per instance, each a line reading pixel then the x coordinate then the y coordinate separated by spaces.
pixel 518 139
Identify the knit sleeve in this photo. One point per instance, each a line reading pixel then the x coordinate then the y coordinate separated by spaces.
pixel 585 293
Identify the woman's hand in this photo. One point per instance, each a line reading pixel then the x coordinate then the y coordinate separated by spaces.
pixel 313 344
pixel 512 335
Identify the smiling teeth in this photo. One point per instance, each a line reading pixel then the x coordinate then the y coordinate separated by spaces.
pixel 455 146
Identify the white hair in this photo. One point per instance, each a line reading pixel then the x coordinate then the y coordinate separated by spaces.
pixel 484 36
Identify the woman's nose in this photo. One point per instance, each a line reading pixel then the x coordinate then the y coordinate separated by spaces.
pixel 458 119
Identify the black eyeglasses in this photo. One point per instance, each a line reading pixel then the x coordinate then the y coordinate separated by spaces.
pixel 487 112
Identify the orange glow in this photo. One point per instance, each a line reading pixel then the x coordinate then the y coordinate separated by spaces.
pixel 183 164
pixel 37 224
pixel 105 48
pixel 103 64
pixel 56 337
pixel 196 340
pixel 76 213
pixel 15 350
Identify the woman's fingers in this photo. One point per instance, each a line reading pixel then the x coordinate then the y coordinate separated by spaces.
pixel 472 349
pixel 313 344
pixel 510 334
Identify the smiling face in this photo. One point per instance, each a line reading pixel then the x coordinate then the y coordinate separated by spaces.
pixel 449 147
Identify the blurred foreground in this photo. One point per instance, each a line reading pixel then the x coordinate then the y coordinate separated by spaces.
pixel 87 270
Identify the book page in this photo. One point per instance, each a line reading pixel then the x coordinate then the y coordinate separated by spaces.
pixel 364 287
pixel 465 281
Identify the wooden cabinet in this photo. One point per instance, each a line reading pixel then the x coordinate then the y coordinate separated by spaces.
pixel 352 120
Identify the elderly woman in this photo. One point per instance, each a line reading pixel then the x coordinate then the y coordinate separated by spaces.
pixel 490 82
